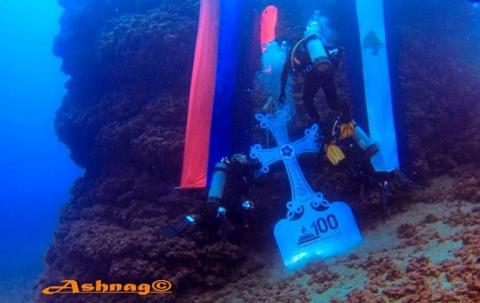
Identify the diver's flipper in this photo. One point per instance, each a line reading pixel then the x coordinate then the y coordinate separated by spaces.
pixel 178 227
pixel 405 180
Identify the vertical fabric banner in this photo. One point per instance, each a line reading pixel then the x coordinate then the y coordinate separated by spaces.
pixel 268 25
pixel 202 90
pixel 376 75
pixel 226 78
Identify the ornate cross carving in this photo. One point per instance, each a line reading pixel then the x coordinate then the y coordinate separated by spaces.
pixel 302 193
pixel 314 228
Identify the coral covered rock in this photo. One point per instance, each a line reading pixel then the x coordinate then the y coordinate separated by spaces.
pixel 123 118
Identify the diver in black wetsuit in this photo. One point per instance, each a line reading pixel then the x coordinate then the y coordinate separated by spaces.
pixel 311 61
pixel 314 64
pixel 227 204
pixel 320 74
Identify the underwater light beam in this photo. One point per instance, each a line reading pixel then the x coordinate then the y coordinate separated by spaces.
pixel 377 88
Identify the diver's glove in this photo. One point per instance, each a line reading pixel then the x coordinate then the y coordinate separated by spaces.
pixel 346 130
pixel 333 52
pixel 334 153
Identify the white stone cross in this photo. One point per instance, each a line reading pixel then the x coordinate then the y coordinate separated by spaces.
pixel 314 228
pixel 288 152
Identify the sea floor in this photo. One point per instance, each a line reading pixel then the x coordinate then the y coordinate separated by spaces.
pixel 428 253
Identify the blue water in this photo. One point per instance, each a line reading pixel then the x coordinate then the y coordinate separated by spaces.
pixel 36 172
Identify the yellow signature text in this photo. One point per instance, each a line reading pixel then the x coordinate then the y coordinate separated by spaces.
pixel 100 287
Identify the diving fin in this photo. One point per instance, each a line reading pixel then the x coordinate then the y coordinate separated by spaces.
pixel 178 227
pixel 405 180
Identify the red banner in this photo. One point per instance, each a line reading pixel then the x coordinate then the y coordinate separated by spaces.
pixel 202 90
pixel 268 25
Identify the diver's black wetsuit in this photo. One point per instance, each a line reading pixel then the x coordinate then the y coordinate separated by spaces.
pixel 237 188
pixel 315 79
pixel 240 180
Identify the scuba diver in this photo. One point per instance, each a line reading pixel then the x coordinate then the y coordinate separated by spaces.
pixel 227 201
pixel 312 63
pixel 227 204
pixel 358 165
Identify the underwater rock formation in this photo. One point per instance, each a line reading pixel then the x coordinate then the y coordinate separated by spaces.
pixel 123 119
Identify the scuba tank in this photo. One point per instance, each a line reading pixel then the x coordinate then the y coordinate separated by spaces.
pixel 361 138
pixel 316 50
pixel 219 179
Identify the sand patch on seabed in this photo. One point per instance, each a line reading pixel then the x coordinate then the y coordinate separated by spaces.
pixel 383 241
pixel 390 264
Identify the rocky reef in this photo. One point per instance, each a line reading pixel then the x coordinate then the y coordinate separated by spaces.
pixel 123 119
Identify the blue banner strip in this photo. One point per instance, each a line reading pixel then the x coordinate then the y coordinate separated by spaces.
pixel 226 77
